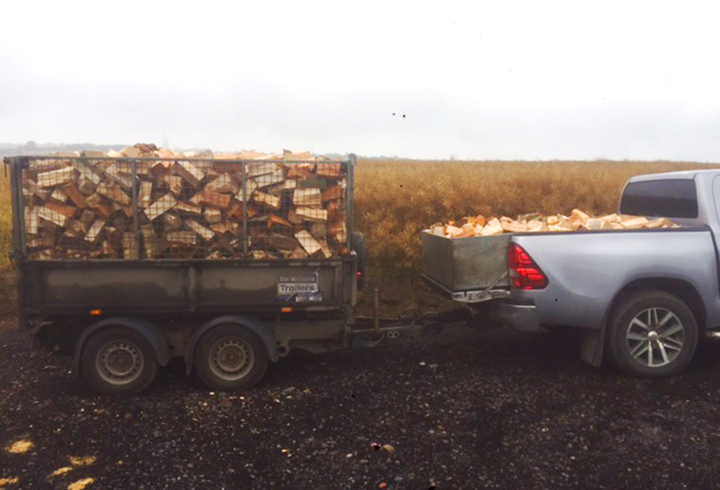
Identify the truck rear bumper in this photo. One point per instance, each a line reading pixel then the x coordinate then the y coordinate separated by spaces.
pixel 519 316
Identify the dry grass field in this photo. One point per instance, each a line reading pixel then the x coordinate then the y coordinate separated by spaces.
pixel 395 199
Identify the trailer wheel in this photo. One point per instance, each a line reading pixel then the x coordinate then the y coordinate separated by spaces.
pixel 230 357
pixel 118 361
pixel 652 334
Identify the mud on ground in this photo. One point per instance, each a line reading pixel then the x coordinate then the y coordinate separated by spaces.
pixel 461 410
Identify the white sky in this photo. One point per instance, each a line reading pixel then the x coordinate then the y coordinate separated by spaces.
pixel 482 79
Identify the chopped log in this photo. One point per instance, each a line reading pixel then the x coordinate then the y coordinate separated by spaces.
pixel 224 183
pixel 103 210
pixel 75 195
pixel 286 185
pixel 294 218
pixel 59 195
pixel 130 152
pixel 124 180
pixel 258 169
pixel 86 186
pixel 76 227
pixel 266 199
pixel 333 170
pixel 277 220
pixel 205 233
pixel 88 178
pixel 563 224
pixel 251 211
pixel 189 172
pixel 493 227
pixel 298 253
pixel 150 241
pixel 183 237
pixel 64 209
pixel 335 212
pixel 325 248
pixel 145 194
pixel 87 218
pixel 93 200
pixel 29 188
pixel 318 231
pixel 659 223
pixel 269 179
pixel 332 193
pixel 307 197
pixel 537 226
pixel 212 215
pixel 513 226
pixel 634 223
pixel 94 231
pixel 211 198
pixel 250 186
pixel 172 221
pixel 282 242
pixel 216 255
pixel 114 193
pixel 337 231
pixel 188 208
pixel 31 220
pixel 141 167
pixel 593 224
pixel 174 183
pixel 300 172
pixel 308 242
pixel 162 205
pixel 52 178
pixel 311 214
pixel 128 246
pixel 221 227
pixel 108 250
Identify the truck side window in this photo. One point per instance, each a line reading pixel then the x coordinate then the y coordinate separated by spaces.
pixel 676 198
pixel 716 195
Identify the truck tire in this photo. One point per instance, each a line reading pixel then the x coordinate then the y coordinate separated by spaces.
pixel 358 245
pixel 652 334
pixel 118 361
pixel 230 357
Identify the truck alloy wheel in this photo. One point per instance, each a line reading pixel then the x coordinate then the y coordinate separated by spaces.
pixel 118 361
pixel 230 357
pixel 653 334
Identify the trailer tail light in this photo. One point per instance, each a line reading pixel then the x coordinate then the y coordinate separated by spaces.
pixel 524 272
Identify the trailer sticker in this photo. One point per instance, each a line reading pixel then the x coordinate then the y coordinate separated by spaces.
pixel 299 288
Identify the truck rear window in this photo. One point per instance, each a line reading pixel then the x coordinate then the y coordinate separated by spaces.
pixel 676 198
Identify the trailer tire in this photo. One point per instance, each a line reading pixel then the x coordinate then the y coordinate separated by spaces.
pixel 230 357
pixel 652 334
pixel 118 361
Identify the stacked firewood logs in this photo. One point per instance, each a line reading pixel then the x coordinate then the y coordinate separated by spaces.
pixel 183 206
pixel 534 223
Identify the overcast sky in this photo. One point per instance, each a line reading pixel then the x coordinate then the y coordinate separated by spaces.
pixel 476 79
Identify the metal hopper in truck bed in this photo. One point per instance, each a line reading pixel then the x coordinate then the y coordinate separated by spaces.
pixel 469 270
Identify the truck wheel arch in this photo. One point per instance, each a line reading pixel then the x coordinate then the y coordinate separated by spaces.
pixel 140 325
pixel 683 289
pixel 595 341
pixel 250 323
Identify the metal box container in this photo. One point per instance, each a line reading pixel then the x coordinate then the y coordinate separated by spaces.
pixel 465 264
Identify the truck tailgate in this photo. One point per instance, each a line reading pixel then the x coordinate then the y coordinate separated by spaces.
pixel 464 268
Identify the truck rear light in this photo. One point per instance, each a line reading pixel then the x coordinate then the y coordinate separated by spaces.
pixel 524 272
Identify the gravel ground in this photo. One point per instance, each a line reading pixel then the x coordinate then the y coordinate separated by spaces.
pixel 464 410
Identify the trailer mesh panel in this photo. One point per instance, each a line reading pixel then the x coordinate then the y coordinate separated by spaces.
pixel 118 208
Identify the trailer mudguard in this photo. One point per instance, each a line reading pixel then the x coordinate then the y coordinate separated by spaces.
pixel 140 325
pixel 249 323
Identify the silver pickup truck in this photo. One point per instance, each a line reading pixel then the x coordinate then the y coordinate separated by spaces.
pixel 644 297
